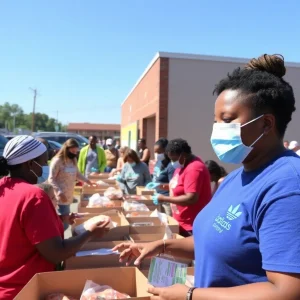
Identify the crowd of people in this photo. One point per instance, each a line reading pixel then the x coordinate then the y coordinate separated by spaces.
pixel 240 228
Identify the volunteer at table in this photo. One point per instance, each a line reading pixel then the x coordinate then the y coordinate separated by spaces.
pixel 162 174
pixel 30 229
pixel 134 173
pixel 91 158
pixel 246 240
pixel 63 176
pixel 111 155
pixel 217 174
pixel 190 187
pixel 120 163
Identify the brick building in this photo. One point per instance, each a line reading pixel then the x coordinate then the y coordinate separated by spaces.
pixel 173 98
pixel 102 131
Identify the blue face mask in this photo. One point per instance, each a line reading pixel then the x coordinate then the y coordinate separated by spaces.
pixel 227 142
pixel 45 173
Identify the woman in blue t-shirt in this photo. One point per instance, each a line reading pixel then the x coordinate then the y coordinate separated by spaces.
pixel 246 242
pixel 162 173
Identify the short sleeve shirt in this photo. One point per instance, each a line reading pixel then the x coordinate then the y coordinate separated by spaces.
pixel 194 178
pixel 251 226
pixel 91 162
pixel 27 218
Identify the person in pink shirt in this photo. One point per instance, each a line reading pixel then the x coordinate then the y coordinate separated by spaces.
pixel 190 188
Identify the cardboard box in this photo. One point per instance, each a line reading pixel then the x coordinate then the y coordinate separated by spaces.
pixel 95 261
pixel 142 191
pixel 111 182
pixel 146 199
pixel 87 189
pixel 156 228
pixel 125 280
pixel 99 176
pixel 82 207
pixel 145 238
pixel 116 234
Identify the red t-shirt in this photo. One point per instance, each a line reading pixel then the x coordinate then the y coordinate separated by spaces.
pixel 194 178
pixel 27 218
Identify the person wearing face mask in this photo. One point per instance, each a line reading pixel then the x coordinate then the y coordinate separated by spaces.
pixel 134 173
pixel 246 241
pixel 162 174
pixel 112 155
pixel 92 158
pixel 120 163
pixel 31 232
pixel 63 176
pixel 217 174
pixel 189 188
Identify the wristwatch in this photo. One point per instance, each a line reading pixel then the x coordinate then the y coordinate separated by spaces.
pixel 189 294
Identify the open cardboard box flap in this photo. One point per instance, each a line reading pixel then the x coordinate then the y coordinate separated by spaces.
pixel 95 261
pixel 125 280
pixel 157 227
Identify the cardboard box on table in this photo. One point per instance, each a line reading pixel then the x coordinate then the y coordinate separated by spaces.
pixel 82 207
pixel 95 261
pixel 146 238
pixel 150 207
pixel 124 280
pixel 99 176
pixel 157 227
pixel 115 234
pixel 142 191
pixel 111 182
pixel 91 189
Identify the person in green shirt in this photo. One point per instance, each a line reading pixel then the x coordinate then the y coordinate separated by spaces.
pixel 91 158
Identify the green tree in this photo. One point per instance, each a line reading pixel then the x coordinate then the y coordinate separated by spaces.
pixel 13 115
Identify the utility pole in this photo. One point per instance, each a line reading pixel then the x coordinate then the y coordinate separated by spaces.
pixel 33 110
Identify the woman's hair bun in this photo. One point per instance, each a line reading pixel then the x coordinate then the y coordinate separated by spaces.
pixel 273 64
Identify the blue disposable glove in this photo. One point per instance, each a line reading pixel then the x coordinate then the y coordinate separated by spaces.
pixel 119 178
pixel 152 185
pixel 155 199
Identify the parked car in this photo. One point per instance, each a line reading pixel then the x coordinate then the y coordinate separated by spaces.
pixel 54 146
pixel 9 136
pixel 3 141
pixel 62 137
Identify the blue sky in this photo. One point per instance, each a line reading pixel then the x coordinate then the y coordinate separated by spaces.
pixel 85 56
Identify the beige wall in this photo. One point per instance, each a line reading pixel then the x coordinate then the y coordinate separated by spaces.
pixel 191 103
pixel 150 134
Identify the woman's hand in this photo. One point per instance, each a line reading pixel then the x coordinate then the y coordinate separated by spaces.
pixel 156 198
pixel 174 292
pixel 62 198
pixel 131 251
pixel 99 229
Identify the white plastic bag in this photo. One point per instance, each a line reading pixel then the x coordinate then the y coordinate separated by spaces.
pixel 113 194
pixel 162 216
pixel 100 182
pixel 134 206
pixel 87 224
pixel 94 291
pixel 99 201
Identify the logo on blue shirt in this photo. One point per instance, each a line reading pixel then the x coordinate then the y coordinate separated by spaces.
pixel 233 213
pixel 221 223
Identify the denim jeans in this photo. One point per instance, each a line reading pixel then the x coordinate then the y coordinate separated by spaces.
pixel 64 210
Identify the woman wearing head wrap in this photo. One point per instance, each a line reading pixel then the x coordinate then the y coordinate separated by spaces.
pixel 30 229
